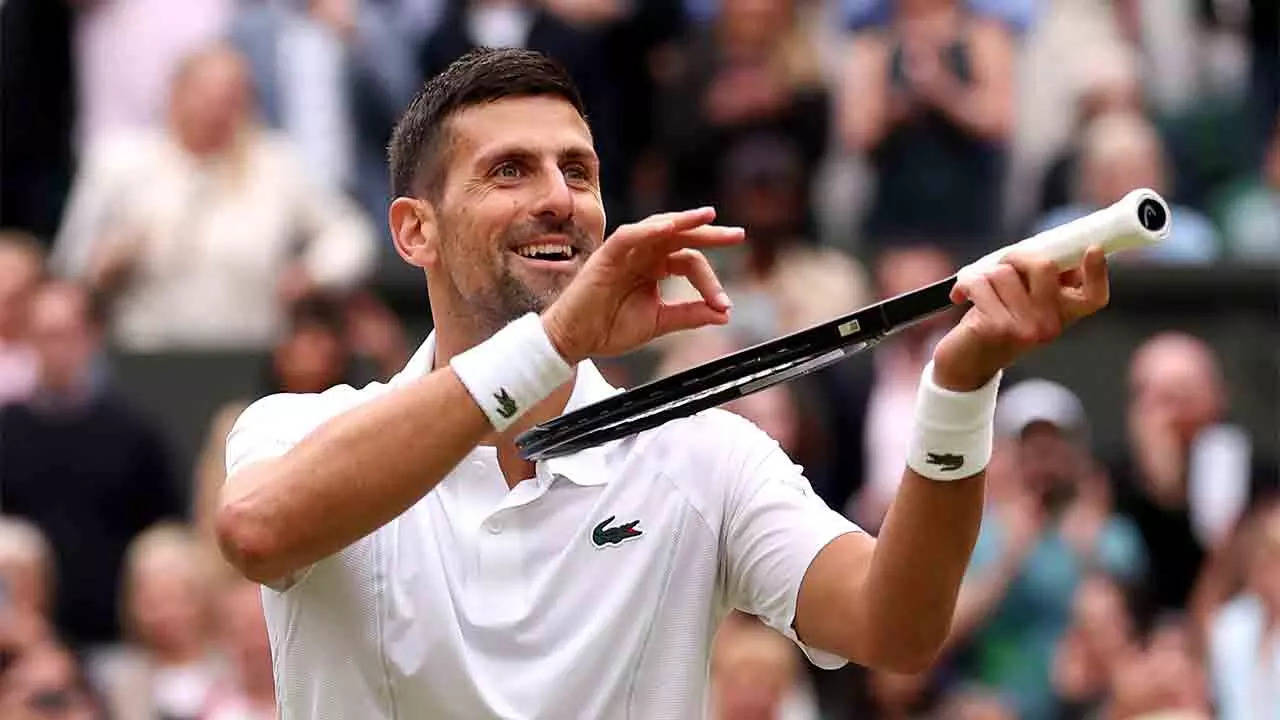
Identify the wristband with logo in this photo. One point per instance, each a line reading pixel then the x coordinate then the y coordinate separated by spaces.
pixel 953 430
pixel 512 371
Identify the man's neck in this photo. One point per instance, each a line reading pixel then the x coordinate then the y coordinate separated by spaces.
pixel 454 337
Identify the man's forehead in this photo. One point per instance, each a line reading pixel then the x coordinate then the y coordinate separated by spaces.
pixel 539 122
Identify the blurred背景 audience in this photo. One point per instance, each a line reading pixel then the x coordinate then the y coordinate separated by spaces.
pixel 929 101
pixel 755 674
pixel 1120 152
pixel 45 683
pixel 1185 476
pixel 247 691
pixel 126 52
pixel 168 668
pixel 1100 641
pixel 1048 525
pixel 753 70
pixel 197 231
pixel 27 568
pixel 1244 634
pixel 1248 210
pixel 81 464
pixel 1167 680
pixel 782 280
pixel 21 268
pixel 332 75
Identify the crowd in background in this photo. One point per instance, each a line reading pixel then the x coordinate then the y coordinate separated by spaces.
pixel 210 175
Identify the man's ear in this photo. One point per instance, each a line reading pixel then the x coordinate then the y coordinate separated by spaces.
pixel 414 231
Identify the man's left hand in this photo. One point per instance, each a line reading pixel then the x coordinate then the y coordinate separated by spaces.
pixel 1022 303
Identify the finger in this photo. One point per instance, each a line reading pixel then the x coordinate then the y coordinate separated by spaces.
pixel 655 226
pixel 1040 275
pixel 705 236
pixel 985 299
pixel 694 266
pixel 1006 281
pixel 688 315
pixel 1095 291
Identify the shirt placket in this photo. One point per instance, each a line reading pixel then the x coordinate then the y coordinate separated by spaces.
pixel 501 590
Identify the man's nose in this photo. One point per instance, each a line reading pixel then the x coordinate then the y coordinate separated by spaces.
pixel 555 200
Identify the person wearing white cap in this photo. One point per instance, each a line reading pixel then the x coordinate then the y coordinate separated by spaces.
pixel 1049 524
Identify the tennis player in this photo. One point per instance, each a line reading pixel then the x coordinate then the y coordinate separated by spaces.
pixel 415 567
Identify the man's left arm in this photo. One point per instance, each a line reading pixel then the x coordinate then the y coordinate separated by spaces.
pixel 888 602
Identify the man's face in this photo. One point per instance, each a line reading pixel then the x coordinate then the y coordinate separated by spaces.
pixel 519 210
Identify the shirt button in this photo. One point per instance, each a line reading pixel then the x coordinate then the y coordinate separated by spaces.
pixel 493 526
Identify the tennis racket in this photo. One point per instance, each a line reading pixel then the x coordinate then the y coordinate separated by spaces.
pixel 1140 218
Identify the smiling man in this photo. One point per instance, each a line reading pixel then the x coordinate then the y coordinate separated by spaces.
pixel 416 567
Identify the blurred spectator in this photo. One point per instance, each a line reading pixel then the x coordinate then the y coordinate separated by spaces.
pixel 755 674
pixel 1110 81
pixel 1100 642
pixel 897 364
pixel 784 282
pixel 1185 477
pixel 469 24
pixel 895 696
pixel 168 669
pixel 1121 152
pixel 1050 525
pixel 1244 637
pixel 1167 681
pixel 1248 210
pixel 248 691
pixel 200 229
pixel 37 112
pixel 930 101
pixel 333 75
pixel 26 567
pixel 79 463
pixel 21 267
pixel 865 14
pixel 754 71
pixel 46 684
pixel 974 704
pixel 324 345
pixel 126 54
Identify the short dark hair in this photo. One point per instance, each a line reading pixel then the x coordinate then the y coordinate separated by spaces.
pixel 480 76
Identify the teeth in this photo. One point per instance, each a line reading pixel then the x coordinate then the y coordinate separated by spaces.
pixel 545 249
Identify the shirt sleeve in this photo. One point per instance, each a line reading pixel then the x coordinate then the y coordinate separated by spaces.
pixel 774 526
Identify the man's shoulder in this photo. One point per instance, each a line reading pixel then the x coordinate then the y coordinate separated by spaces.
pixel 714 451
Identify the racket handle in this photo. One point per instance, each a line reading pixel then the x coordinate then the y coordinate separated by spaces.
pixel 1139 219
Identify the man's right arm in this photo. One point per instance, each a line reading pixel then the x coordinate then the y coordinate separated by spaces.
pixel 350 476
pixel 285 506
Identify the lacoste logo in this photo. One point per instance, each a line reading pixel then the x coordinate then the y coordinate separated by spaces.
pixel 506 405
pixel 602 536
pixel 946 461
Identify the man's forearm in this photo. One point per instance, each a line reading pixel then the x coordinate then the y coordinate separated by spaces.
pixel 919 561
pixel 350 476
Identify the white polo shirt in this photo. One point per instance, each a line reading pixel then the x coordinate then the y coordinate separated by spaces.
pixel 591 590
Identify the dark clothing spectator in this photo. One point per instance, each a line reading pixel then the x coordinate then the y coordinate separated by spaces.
pixel 929 101
pixel 37 107
pixel 91 475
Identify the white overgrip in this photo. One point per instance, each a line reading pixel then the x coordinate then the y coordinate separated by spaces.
pixel 1139 219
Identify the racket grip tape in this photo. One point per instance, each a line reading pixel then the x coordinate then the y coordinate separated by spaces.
pixel 1137 220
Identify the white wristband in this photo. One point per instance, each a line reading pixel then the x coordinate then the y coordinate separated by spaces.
pixel 511 371
pixel 953 430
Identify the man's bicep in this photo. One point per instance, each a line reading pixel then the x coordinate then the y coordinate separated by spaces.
pixel 773 532
pixel 826 606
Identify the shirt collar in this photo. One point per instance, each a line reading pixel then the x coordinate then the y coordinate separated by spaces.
pixel 585 467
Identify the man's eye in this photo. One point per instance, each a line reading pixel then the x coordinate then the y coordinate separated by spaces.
pixel 577 173
pixel 507 170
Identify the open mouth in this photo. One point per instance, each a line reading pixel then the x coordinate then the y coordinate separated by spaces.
pixel 547 252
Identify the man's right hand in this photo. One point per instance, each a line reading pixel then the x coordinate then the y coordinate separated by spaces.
pixel 614 304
